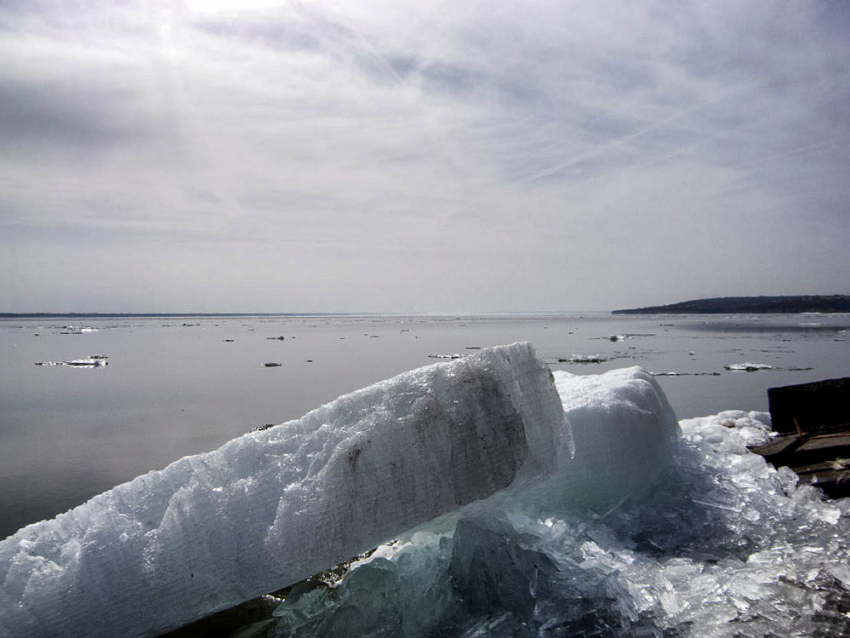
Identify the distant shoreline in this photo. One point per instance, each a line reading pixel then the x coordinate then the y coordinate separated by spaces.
pixel 793 304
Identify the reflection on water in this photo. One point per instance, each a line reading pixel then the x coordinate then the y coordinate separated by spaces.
pixel 183 386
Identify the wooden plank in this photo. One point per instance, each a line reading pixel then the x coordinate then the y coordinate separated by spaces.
pixel 834 483
pixel 826 466
pixel 819 450
pixel 778 449
pixel 826 443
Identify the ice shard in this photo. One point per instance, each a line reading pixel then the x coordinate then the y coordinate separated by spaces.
pixel 277 505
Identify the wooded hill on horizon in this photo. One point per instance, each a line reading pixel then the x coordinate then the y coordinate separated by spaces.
pixel 768 304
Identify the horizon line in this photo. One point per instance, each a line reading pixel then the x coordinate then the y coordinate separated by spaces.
pixel 50 314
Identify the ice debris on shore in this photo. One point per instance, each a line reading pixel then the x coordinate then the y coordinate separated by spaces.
pixel 275 506
pixel 723 546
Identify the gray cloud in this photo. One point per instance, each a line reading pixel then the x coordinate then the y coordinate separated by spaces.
pixel 67 115
pixel 421 156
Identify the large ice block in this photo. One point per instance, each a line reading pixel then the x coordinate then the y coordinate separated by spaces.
pixel 624 432
pixel 273 507
pixel 527 561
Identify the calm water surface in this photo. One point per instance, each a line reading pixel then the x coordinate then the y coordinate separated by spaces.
pixel 174 387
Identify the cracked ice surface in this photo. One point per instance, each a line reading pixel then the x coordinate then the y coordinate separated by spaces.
pixel 275 506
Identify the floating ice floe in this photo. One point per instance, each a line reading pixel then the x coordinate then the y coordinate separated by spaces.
pixel 685 374
pixel 95 361
pixel 623 337
pixel 583 358
pixel 73 330
pixel 748 367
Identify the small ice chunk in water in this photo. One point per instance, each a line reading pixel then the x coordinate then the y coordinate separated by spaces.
pixel 95 361
pixel 748 367
pixel 583 358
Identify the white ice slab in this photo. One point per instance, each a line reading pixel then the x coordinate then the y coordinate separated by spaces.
pixel 272 507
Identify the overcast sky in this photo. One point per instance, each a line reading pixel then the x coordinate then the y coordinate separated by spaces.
pixel 420 156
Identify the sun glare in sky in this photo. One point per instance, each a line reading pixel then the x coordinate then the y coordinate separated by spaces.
pixel 214 6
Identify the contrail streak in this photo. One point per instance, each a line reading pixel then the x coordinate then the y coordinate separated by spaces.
pixel 620 141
